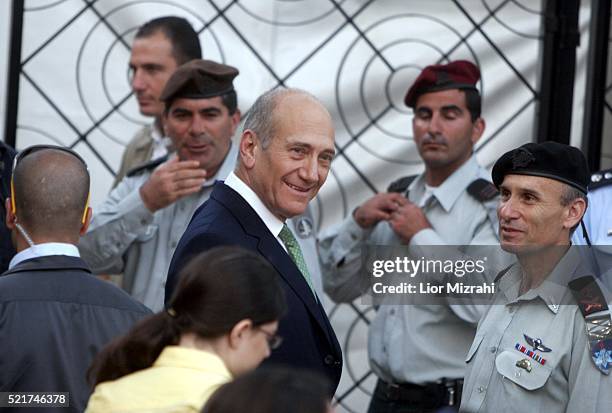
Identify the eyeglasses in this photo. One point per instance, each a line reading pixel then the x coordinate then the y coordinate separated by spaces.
pixel 36 148
pixel 274 340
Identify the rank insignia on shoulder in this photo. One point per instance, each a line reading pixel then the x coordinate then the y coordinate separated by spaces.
pixel 530 353
pixel 601 352
pixel 482 190
pixel 401 185
pixel 600 179
pixel 536 344
pixel 148 166
pixel 303 226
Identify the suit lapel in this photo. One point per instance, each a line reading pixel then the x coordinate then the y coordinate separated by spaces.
pixel 270 248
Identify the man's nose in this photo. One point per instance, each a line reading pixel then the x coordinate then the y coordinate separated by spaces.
pixel 507 210
pixel 435 124
pixel 309 172
pixel 138 82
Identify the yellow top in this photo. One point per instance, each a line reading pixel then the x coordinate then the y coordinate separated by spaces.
pixel 180 380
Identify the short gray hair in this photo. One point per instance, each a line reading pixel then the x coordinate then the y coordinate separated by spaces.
pixel 568 195
pixel 260 118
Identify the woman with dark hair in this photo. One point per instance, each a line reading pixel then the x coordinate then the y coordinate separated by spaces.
pixel 273 390
pixel 220 323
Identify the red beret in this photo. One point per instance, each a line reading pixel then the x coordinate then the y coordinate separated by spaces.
pixel 459 74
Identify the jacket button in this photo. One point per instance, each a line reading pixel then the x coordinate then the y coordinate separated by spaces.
pixel 329 360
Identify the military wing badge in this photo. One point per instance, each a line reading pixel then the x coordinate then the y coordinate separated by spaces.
pixel 536 344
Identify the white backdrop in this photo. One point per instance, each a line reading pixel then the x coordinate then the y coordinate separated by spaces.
pixel 357 56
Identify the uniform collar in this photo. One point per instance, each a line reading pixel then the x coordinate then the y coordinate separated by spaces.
pixel 553 289
pixel 229 162
pixel 453 187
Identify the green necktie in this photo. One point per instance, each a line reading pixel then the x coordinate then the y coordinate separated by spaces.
pixel 295 252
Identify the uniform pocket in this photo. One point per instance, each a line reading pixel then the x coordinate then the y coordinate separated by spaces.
pixel 532 377
pixel 474 347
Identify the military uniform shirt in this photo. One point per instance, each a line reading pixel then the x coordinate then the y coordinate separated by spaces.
pixel 414 343
pixel 567 381
pixel 124 236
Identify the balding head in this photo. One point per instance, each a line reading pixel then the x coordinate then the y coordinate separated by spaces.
pixel 261 118
pixel 286 150
pixel 51 190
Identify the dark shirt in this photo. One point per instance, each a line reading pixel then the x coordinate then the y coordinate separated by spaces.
pixel 7 251
pixel 54 318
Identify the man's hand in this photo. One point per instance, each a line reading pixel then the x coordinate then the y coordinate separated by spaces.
pixel 378 208
pixel 172 180
pixel 407 220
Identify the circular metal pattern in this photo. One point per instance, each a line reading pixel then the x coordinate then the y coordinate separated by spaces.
pixel 393 46
pixel 55 140
pixel 112 59
pixel 44 5
pixel 317 10
pixel 495 14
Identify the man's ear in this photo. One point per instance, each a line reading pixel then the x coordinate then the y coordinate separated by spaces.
pixel 478 129
pixel 574 213
pixel 248 148
pixel 238 332
pixel 10 218
pixel 85 225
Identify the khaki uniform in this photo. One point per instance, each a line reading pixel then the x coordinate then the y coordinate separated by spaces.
pixel 415 343
pixel 563 379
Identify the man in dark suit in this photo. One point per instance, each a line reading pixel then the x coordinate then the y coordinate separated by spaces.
pixel 286 151
pixel 54 314
pixel 6 164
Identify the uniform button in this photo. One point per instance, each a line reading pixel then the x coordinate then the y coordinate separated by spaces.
pixel 173 244
pixel 481 389
pixel 329 360
pixel 143 222
pixel 492 349
pixel 384 349
pixel 392 311
pixel 118 245
pixel 517 374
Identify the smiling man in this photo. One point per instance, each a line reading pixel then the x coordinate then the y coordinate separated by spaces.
pixel 545 343
pixel 138 226
pixel 286 150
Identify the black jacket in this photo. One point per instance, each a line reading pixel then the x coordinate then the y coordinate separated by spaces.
pixel 227 219
pixel 7 251
pixel 54 318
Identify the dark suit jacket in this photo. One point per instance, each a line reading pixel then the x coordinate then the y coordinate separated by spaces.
pixel 7 251
pixel 227 219
pixel 54 318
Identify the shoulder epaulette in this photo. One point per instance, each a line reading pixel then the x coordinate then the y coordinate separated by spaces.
pixel 401 185
pixel 502 273
pixel 482 190
pixel 149 166
pixel 594 308
pixel 601 178
pixel 589 296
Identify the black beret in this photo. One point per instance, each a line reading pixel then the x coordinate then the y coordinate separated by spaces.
pixel 199 79
pixel 552 160
pixel 459 74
